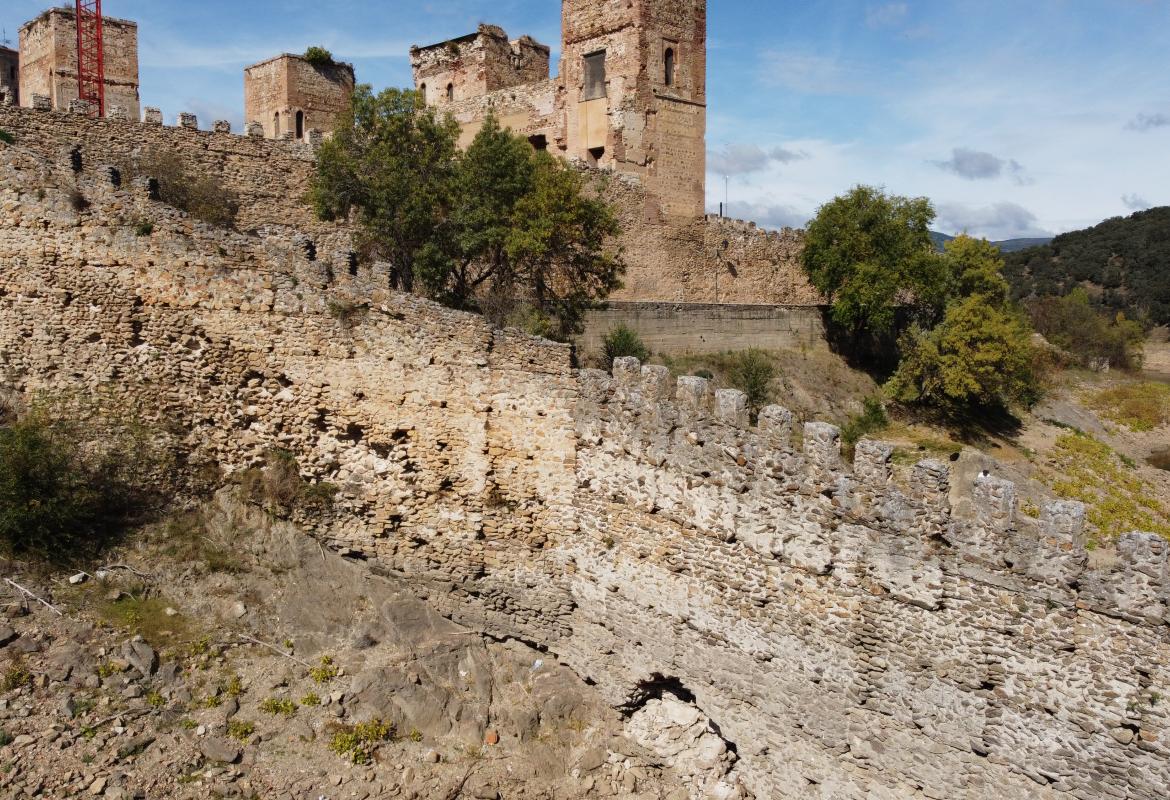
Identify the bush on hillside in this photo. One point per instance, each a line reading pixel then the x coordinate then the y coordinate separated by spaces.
pixel 753 373
pixel 63 498
pixel 1092 336
pixel 622 342
pixel 872 419
pixel 200 195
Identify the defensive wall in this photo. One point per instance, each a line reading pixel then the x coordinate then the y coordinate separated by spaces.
pixel 849 631
pixel 682 328
pixel 706 260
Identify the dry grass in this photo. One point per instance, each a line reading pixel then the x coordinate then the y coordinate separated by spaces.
pixel 1138 406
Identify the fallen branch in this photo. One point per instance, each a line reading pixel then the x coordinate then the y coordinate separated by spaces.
pixel 140 575
pixel 276 650
pixel 40 600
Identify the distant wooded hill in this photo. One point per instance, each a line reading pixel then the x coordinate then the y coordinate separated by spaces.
pixel 1124 263
pixel 1006 246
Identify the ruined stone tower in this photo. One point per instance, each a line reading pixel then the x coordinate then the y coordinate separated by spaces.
pixel 635 83
pixel 631 94
pixel 48 61
pixel 289 95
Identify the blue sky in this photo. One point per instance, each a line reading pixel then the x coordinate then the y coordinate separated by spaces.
pixel 1016 119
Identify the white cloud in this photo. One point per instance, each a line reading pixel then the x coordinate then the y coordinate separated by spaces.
pixel 997 221
pixel 975 165
pixel 744 159
pixel 1148 122
pixel 1136 202
pixel 886 15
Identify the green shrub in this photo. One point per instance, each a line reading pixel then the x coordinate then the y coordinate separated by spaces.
pixel 357 743
pixel 1087 333
pixel 623 342
pixel 7 137
pixel 241 731
pixel 199 194
pixel 325 672
pixel 285 707
pixel 279 486
pixel 752 372
pixel 872 419
pixel 144 228
pixel 61 498
pixel 319 57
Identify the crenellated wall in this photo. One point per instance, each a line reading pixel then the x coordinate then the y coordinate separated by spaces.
pixel 850 633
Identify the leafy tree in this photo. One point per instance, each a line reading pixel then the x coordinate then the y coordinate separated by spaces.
pixel 980 354
pixel 391 161
pixel 558 253
pixel 623 342
pixel 871 255
pixel 1088 333
pixel 498 228
pixel 752 372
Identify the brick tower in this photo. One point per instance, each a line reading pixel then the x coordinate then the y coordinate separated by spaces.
pixel 635 80
pixel 290 96
pixel 48 60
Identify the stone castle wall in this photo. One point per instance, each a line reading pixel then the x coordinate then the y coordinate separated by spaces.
pixel 848 632
pixel 683 261
pixel 269 178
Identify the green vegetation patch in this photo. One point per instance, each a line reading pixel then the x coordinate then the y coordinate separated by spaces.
pixel 1138 406
pixel 1116 498
pixel 357 743
pixel 145 616
pixel 319 57
pixel 284 707
pixel 622 342
pixel 7 137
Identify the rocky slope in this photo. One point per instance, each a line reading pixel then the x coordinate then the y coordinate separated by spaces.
pixel 195 670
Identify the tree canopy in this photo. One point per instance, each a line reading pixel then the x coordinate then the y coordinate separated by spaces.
pixel 498 228
pixel 980 353
pixel 960 342
pixel 871 255
pixel 1121 262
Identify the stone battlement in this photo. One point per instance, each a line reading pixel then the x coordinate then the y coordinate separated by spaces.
pixel 715 471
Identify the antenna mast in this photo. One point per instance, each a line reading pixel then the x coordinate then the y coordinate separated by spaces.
pixel 91 64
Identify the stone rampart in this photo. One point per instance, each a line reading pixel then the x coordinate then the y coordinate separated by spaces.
pixel 847 632
pixel 270 178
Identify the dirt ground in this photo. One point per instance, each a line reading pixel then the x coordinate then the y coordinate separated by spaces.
pixel 228 655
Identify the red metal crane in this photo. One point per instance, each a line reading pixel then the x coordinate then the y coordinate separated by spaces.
pixel 91 63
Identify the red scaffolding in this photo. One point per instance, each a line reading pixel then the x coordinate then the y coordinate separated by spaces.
pixel 91 65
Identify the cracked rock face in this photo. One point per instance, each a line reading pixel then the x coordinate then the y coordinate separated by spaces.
pixel 683 736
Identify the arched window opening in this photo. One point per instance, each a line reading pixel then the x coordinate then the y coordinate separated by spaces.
pixel 300 124
pixel 422 91
pixel 669 59
pixel 450 92
pixel 276 124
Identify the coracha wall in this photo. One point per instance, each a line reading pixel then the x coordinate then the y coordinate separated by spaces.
pixel 850 634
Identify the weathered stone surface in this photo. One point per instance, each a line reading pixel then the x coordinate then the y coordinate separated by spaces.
pixel 842 629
